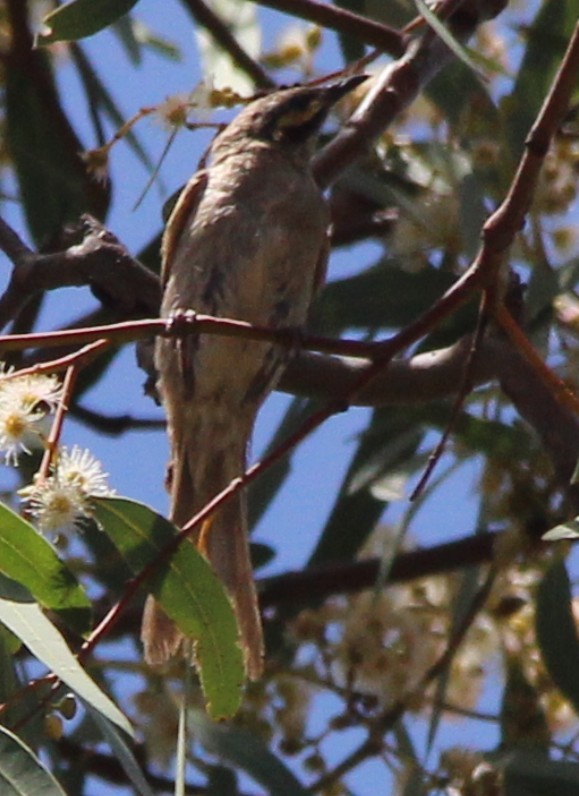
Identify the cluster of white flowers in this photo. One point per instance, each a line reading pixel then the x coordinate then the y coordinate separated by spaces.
pixel 62 500
pixel 25 405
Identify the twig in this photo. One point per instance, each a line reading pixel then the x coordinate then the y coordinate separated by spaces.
pixel 465 386
pixel 559 389
pixel 83 355
pixel 57 423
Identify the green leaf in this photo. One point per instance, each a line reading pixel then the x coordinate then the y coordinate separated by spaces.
pixel 352 48
pixel 442 31
pixel 523 721
pixel 25 619
pixel 101 99
pixel 547 39
pixel 465 102
pixel 29 559
pixel 81 18
pixel 557 632
pixel 189 591
pixel 20 704
pixel 381 296
pixel 54 185
pixel 135 36
pixel 21 772
pixel 121 751
pixel 247 751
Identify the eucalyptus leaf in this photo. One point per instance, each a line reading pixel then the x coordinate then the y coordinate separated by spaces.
pixel 242 20
pixel 26 557
pixel 121 750
pixel 557 632
pixel 567 530
pixel 189 592
pixel 21 772
pixel 81 18
pixel 247 751
pixel 26 620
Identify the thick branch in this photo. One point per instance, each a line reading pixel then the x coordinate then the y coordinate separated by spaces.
pixel 99 261
pixel 421 378
pixel 318 583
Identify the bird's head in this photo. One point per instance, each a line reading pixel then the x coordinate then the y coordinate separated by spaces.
pixel 289 118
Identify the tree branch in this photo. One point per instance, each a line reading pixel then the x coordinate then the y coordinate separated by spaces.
pixel 100 261
pixel 398 85
pixel 343 21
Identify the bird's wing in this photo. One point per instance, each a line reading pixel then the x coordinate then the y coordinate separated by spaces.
pixel 182 213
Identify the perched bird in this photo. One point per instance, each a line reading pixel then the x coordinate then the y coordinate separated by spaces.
pixel 247 239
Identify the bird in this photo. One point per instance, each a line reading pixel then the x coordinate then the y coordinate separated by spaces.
pixel 246 240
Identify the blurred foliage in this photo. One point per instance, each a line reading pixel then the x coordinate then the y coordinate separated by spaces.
pixel 390 662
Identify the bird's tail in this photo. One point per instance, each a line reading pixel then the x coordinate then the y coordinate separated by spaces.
pixel 202 467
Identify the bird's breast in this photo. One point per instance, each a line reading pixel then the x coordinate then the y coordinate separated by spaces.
pixel 249 252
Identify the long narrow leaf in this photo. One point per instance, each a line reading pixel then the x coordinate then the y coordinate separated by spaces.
pixel 21 772
pixel 121 750
pixel 439 28
pixel 557 632
pixel 246 751
pixel 25 619
pixel 189 592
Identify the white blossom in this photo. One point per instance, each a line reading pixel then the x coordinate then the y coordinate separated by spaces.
pixel 25 405
pixel 62 501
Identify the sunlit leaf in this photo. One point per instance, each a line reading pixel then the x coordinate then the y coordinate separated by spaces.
pixel 567 530
pixel 26 620
pixel 242 21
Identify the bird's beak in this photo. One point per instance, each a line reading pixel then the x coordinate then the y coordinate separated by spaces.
pixel 339 88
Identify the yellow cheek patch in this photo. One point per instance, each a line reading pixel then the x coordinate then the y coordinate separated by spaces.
pixel 299 116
